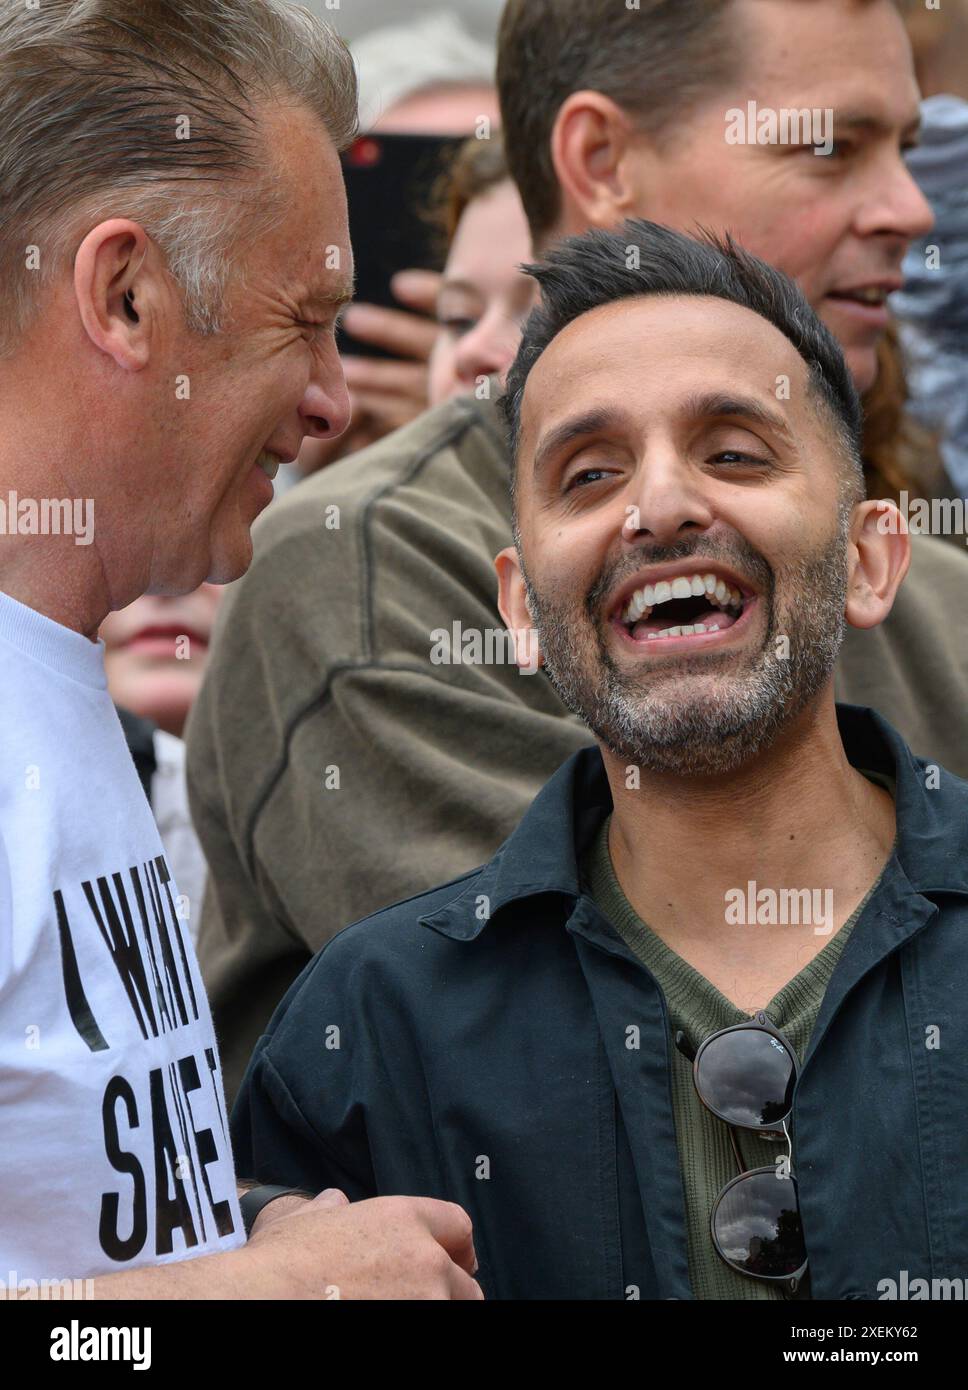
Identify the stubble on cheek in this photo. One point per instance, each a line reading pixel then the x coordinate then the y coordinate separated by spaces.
pixel 706 712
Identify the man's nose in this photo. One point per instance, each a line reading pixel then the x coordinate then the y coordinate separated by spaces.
pixel 325 407
pixel 914 212
pixel 664 501
pixel 485 351
pixel 898 208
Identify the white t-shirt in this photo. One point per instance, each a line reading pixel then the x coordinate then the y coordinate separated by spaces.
pixel 114 1148
pixel 169 803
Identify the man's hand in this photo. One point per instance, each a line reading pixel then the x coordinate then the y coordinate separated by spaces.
pixel 387 1248
pixel 383 1248
pixel 384 395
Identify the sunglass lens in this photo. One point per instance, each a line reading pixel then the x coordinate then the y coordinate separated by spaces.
pixel 747 1078
pixel 756 1225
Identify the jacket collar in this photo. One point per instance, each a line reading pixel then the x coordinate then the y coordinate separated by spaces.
pixel 543 854
pixel 932 803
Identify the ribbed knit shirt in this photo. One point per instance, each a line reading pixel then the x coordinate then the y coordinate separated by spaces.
pixel 697 1008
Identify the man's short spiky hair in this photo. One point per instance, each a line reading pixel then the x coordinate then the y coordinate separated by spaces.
pixel 641 259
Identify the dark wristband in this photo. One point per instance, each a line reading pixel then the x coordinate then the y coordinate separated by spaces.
pixel 252 1201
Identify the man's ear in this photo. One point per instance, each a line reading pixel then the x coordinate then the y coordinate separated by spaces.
pixel 114 291
pixel 513 605
pixel 590 145
pixel 880 554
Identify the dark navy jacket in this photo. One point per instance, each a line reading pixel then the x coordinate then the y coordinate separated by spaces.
pixel 471 1044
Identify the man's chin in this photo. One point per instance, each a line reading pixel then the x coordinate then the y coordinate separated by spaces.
pixel 230 559
pixel 860 351
pixel 227 571
pixel 670 741
pixel 694 721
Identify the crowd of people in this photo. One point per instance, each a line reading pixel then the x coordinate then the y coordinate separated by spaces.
pixel 531 862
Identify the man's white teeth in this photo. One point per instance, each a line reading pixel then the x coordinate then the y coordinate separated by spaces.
pixel 870 294
pixel 687 631
pixel 637 606
pixel 643 601
pixel 268 463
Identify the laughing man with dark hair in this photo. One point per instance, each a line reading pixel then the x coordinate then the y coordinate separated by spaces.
pixel 675 1040
pixel 629 119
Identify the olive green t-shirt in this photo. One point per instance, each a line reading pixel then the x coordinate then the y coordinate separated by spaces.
pixel 697 1008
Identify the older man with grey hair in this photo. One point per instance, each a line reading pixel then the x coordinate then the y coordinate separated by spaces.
pixel 174 256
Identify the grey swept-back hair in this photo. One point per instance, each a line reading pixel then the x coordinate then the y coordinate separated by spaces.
pixel 149 109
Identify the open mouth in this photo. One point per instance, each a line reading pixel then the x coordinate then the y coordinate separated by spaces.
pixel 874 296
pixel 693 605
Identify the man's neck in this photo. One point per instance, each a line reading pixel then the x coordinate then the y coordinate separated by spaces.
pixel 43 573
pixel 60 575
pixel 797 817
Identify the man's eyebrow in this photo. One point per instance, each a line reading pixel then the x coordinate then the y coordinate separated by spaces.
pixel 862 122
pixel 334 296
pixel 716 404
pixel 588 422
pixel 704 405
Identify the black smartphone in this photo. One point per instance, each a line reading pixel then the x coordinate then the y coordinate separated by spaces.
pixel 391 181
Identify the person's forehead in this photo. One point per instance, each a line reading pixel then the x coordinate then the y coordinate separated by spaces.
pixel 310 248
pixel 491 240
pixel 849 56
pixel 658 351
pixel 488 222
pixel 312 281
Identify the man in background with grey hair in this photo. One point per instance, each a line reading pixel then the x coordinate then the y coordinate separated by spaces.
pixel 174 256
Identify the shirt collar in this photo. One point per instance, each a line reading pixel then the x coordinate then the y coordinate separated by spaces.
pixel 543 854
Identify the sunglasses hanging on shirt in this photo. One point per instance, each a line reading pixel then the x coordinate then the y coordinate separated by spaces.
pixel 745 1075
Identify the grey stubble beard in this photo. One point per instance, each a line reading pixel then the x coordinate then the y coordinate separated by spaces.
pixel 654 730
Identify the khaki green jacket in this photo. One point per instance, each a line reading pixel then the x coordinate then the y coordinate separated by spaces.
pixel 335 767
